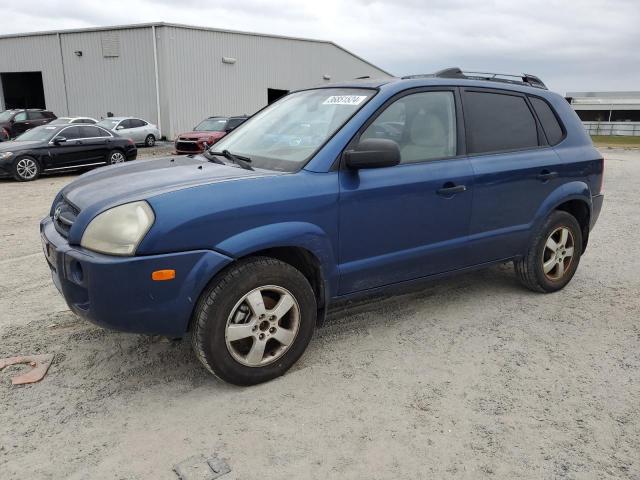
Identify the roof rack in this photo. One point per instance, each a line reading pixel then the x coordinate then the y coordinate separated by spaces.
pixel 455 72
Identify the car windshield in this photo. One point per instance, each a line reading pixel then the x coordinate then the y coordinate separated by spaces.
pixel 38 134
pixel 108 123
pixel 6 115
pixel 211 125
pixel 286 134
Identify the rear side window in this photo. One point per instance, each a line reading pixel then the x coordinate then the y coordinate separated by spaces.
pixel 498 122
pixel 548 119
pixel 36 115
pixel 135 123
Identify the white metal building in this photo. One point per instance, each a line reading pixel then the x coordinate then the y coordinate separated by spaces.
pixel 608 113
pixel 171 75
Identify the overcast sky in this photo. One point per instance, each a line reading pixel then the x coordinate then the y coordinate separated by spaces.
pixel 572 45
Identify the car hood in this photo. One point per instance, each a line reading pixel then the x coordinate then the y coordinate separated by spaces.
pixel 141 179
pixel 12 145
pixel 200 135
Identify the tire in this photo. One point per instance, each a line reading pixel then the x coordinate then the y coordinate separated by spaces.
pixel 227 308
pixel 115 157
pixel 543 269
pixel 150 141
pixel 26 169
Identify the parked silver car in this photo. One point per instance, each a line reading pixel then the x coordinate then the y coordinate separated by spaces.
pixel 83 120
pixel 140 131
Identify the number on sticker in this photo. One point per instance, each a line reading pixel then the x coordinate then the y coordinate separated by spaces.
pixel 344 100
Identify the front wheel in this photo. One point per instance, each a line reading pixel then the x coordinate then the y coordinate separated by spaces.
pixel 150 141
pixel 26 169
pixel 553 255
pixel 254 322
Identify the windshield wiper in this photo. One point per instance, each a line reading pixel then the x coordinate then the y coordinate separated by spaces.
pixel 242 162
pixel 211 158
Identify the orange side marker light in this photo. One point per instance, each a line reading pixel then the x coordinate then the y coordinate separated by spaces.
pixel 163 275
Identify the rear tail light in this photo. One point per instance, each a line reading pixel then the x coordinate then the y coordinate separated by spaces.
pixel 130 142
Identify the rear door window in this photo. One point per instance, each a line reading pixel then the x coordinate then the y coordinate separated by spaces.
pixel 497 122
pixel 135 123
pixel 548 119
pixel 36 116
pixel 93 132
pixel 234 122
pixel 71 133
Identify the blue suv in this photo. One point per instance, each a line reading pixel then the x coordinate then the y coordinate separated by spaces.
pixel 329 193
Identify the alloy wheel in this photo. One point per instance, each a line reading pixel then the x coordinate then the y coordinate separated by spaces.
pixel 262 326
pixel 558 253
pixel 117 157
pixel 27 168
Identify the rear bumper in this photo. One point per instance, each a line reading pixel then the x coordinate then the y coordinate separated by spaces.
pixel 596 206
pixel 118 292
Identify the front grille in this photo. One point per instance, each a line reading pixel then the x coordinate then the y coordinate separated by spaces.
pixel 64 215
pixel 188 147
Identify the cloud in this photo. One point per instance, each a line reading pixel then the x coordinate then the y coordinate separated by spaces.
pixel 586 45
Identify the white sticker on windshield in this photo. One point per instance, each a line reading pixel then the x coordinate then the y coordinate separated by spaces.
pixel 345 100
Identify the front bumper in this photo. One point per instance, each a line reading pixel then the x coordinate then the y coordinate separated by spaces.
pixel 118 292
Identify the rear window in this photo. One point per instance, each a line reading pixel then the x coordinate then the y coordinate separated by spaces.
pixel 498 122
pixel 548 119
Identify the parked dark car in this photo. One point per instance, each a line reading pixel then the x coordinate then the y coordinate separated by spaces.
pixel 62 147
pixel 391 182
pixel 208 132
pixel 16 122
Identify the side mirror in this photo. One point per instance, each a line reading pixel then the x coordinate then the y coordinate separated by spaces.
pixel 119 127
pixel 373 153
pixel 59 140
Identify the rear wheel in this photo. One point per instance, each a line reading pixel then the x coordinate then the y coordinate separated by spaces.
pixel 26 169
pixel 150 141
pixel 254 322
pixel 115 156
pixel 554 254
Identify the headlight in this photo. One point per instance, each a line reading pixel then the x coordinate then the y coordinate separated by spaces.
pixel 5 155
pixel 119 230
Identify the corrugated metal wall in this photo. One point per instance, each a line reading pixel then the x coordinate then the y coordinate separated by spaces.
pixel 116 71
pixel 195 83
pixel 97 84
pixel 37 54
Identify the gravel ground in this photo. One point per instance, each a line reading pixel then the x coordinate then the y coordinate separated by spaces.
pixel 470 377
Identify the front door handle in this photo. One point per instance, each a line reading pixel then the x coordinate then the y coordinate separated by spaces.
pixel 546 175
pixel 450 188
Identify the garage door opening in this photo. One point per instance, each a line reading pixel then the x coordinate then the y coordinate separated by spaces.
pixel 274 94
pixel 22 90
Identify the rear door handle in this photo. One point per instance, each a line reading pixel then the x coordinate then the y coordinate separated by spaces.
pixel 546 175
pixel 450 188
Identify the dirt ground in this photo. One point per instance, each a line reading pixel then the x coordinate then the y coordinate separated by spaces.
pixel 471 377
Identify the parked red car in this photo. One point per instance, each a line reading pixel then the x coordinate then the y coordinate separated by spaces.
pixel 208 131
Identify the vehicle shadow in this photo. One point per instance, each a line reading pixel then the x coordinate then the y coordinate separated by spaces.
pixel 105 362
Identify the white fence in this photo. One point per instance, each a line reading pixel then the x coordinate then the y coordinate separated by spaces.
pixel 629 129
